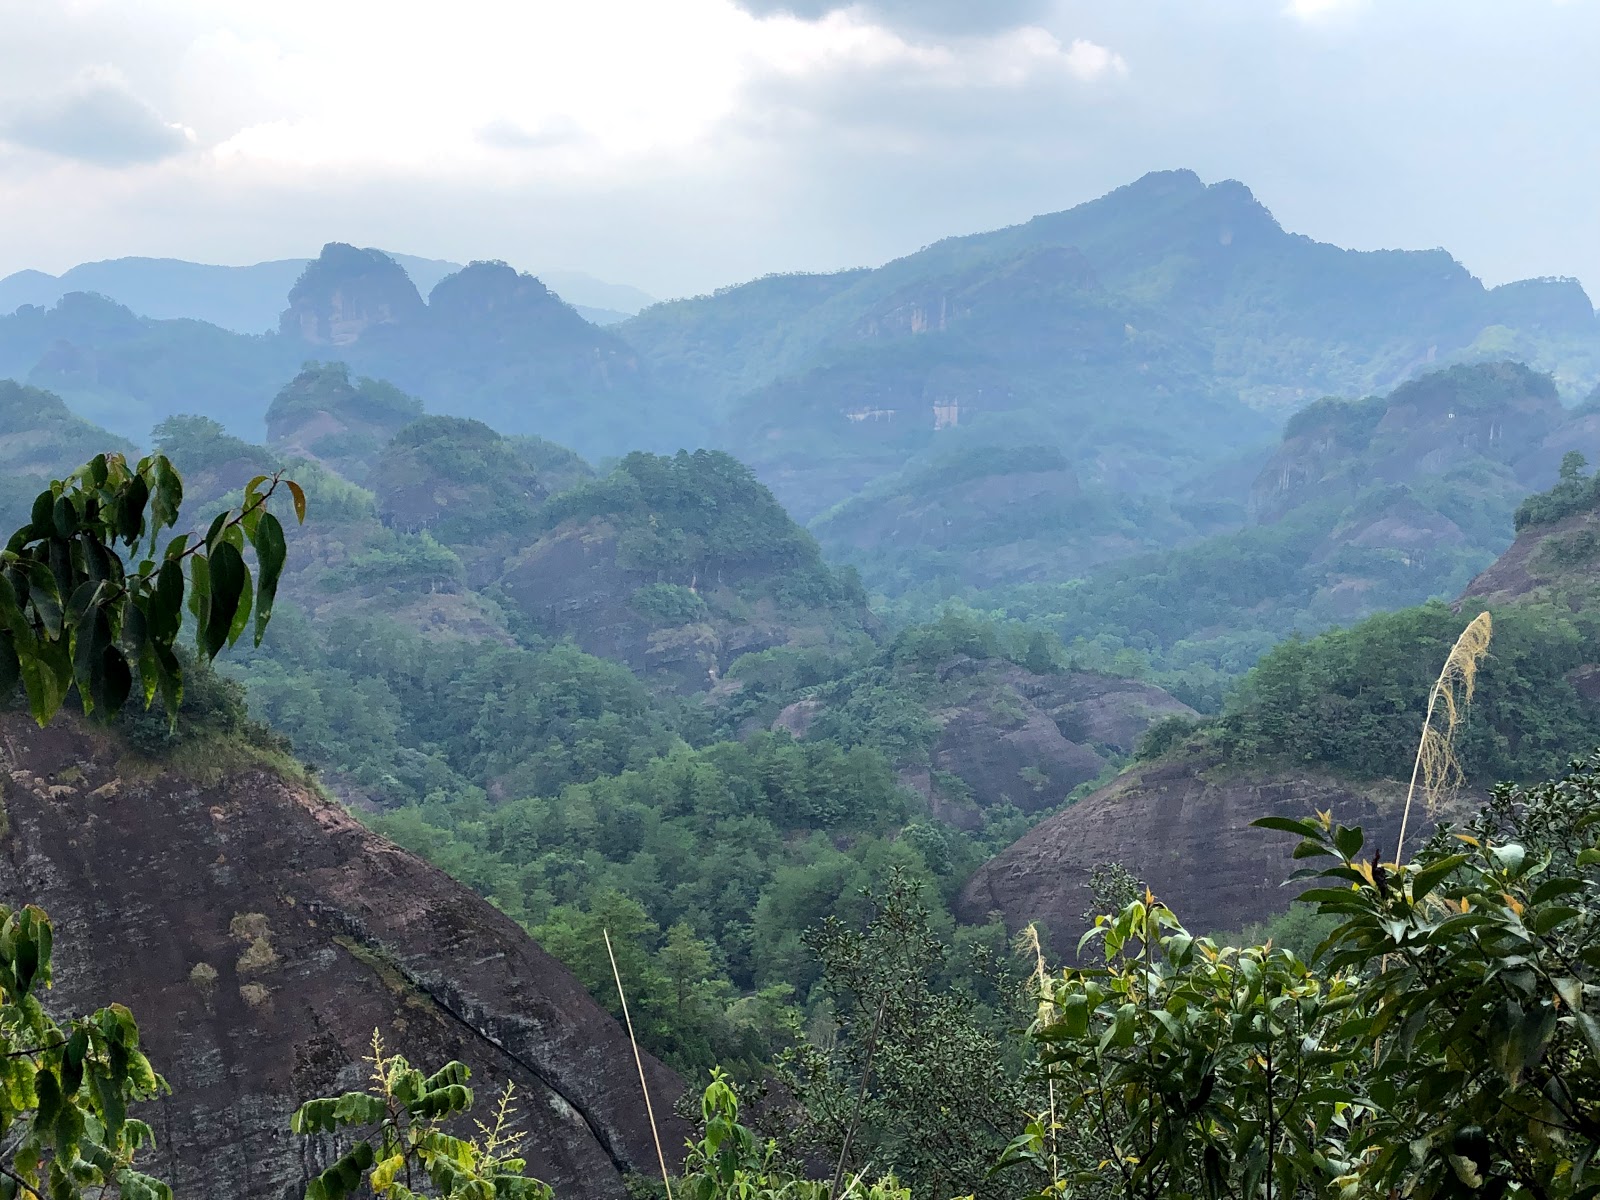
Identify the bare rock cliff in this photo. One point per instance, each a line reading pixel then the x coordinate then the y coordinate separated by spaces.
pixel 1181 824
pixel 260 934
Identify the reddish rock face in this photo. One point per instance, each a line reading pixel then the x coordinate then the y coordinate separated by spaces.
pixel 260 935
pixel 1183 826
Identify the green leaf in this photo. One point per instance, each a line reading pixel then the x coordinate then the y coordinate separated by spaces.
pixel 228 582
pixel 166 603
pixel 270 556
pixel 200 596
pixel 130 519
pixel 1305 828
pixel 47 676
pixel 299 499
pixel 1348 840
pixel 46 597
pixel 1430 876
pixel 1509 858
pixel 1589 1029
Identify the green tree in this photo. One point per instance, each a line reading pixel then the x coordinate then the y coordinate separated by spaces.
pixel 1444 1045
pixel 74 618
pixel 919 1079
pixel 731 1161
pixel 1187 1068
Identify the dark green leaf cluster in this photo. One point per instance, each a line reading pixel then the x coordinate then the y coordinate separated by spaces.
pixel 1478 968
pixel 73 617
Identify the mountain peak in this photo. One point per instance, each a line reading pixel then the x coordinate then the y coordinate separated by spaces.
pixel 483 287
pixel 346 291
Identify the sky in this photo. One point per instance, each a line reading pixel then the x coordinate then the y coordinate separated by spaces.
pixel 680 145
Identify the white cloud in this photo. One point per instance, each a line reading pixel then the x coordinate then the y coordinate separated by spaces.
pixel 1087 60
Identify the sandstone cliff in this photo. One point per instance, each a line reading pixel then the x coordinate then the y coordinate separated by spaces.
pixel 1181 824
pixel 1012 736
pixel 345 292
pixel 260 934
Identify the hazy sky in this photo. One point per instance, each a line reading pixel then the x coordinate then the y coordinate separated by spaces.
pixel 683 144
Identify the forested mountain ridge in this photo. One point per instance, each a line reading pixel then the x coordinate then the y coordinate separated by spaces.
pixel 1188 303
pixel 1148 337
pixel 1366 505
pixel 493 343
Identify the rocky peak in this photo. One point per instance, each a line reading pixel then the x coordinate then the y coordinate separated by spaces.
pixel 484 290
pixel 345 292
pixel 1182 824
pixel 1499 412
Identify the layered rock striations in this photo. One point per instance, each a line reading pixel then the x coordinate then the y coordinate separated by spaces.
pixel 260 935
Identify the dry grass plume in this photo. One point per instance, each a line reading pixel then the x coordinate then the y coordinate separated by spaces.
pixel 1437 768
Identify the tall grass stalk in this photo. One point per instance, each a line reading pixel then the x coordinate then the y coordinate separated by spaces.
pixel 1436 767
pixel 638 1061
pixel 1028 943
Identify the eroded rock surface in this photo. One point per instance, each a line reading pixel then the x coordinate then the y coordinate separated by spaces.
pixel 1182 825
pixel 260 935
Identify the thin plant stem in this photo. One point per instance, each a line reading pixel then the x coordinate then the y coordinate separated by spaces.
pixel 1416 769
pixel 861 1098
pixel 638 1060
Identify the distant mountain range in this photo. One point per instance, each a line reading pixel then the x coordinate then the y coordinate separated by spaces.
pixel 1149 344
pixel 249 299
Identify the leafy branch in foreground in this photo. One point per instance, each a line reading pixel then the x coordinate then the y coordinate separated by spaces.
pixel 64 1092
pixel 404 1151
pixel 73 615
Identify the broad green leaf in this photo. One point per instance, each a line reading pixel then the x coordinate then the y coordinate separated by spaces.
pixel 270 556
pixel 228 582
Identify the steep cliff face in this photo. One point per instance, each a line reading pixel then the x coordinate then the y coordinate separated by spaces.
pixel 1182 825
pixel 580 581
pixel 260 935
pixel 1021 738
pixel 1500 415
pixel 345 293
pixel 1557 562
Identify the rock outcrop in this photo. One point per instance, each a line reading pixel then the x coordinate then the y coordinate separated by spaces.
pixel 1182 825
pixel 1498 414
pixel 260 935
pixel 346 292
pixel 1030 739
